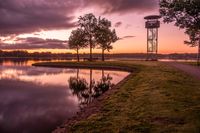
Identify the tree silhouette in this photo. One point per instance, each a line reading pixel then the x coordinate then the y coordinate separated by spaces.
pixel 77 40
pixel 103 85
pixel 186 15
pixel 88 23
pixel 104 36
pixel 85 91
pixel 82 89
pixel 79 87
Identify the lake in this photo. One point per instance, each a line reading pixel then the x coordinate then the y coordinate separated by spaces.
pixel 38 99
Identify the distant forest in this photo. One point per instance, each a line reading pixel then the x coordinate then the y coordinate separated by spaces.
pixel 69 56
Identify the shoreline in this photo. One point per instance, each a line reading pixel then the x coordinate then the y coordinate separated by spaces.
pixel 154 97
pixel 92 108
pixel 96 104
pixel 81 66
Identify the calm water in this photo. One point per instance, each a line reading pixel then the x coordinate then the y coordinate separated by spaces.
pixel 37 99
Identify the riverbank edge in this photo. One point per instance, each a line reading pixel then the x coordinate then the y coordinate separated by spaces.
pixel 96 105
pixel 85 66
pixel 154 98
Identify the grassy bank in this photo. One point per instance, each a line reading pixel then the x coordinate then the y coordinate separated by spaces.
pixel 194 64
pixel 191 63
pixel 156 99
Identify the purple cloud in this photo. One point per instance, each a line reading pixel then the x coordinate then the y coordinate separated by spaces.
pixel 123 6
pixel 118 24
pixel 35 43
pixel 27 16
pixel 126 37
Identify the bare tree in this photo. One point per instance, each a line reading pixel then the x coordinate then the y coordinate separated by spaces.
pixel 77 40
pixel 186 15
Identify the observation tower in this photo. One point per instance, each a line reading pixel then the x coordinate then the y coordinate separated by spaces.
pixel 152 24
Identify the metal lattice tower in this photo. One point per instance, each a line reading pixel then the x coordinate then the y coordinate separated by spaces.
pixel 152 25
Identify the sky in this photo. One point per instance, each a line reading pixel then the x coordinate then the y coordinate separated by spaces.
pixel 45 25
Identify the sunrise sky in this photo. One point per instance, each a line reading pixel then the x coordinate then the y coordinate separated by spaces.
pixel 45 25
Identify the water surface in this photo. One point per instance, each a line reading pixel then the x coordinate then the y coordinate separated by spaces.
pixel 38 99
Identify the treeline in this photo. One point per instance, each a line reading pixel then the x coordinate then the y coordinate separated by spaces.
pixel 49 55
pixel 26 54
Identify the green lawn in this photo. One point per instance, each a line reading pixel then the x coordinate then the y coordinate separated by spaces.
pixel 156 98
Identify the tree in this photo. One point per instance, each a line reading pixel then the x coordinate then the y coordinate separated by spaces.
pixel 88 23
pixel 104 36
pixel 186 15
pixel 77 40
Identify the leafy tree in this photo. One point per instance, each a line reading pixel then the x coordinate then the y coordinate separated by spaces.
pixel 104 36
pixel 186 15
pixel 77 40
pixel 88 23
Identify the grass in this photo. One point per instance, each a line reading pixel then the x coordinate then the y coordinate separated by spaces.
pixel 157 99
pixel 192 63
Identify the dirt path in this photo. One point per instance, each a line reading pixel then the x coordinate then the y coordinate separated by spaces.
pixel 189 69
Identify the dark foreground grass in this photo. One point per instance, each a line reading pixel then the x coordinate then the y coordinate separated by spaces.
pixel 157 99
pixel 192 63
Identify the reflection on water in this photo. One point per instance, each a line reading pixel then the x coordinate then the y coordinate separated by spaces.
pixel 23 61
pixel 85 91
pixel 37 99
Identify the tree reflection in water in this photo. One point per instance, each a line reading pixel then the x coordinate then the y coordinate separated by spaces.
pixel 103 85
pixel 85 91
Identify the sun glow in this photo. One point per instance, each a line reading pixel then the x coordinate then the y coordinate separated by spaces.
pixel 51 34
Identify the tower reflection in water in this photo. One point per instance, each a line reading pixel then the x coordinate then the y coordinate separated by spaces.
pixel 85 91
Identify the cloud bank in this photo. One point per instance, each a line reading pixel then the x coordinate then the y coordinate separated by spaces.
pixel 123 6
pixel 35 43
pixel 29 16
